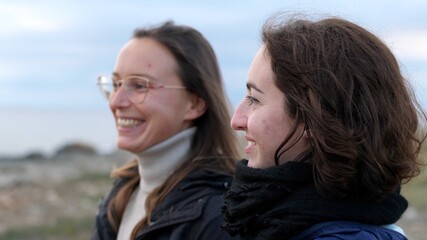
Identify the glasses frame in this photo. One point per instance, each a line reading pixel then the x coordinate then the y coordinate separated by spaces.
pixel 102 83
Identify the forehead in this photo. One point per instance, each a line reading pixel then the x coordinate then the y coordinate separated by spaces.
pixel 260 72
pixel 146 46
pixel 261 65
pixel 144 55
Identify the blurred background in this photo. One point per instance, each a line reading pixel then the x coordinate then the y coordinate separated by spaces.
pixel 57 136
pixel 51 53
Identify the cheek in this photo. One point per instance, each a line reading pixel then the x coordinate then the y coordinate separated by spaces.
pixel 267 129
pixel 274 129
pixel 160 101
pixel 171 98
pixel 262 127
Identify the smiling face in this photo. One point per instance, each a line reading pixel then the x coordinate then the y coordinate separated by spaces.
pixel 164 111
pixel 262 116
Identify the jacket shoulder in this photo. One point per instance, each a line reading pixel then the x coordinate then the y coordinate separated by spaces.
pixel 192 210
pixel 201 190
pixel 349 231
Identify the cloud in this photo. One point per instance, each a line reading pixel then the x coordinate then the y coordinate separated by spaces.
pixel 8 70
pixel 59 43
pixel 22 18
pixel 409 44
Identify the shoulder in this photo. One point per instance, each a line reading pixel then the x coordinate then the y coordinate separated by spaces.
pixel 208 177
pixel 102 228
pixel 212 186
pixel 193 207
pixel 202 183
pixel 349 231
pixel 201 186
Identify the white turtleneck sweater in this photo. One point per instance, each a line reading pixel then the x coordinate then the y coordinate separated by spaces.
pixel 155 165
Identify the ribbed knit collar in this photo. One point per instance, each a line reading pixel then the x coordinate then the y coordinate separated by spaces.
pixel 158 162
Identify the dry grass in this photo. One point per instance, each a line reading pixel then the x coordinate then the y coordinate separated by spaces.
pixel 51 199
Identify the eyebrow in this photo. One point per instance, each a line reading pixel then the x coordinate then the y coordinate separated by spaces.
pixel 250 85
pixel 115 74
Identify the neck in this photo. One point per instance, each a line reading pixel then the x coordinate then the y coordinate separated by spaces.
pixel 158 162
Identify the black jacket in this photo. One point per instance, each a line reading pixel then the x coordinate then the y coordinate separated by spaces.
pixel 190 211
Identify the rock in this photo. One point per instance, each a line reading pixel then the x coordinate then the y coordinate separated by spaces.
pixel 35 156
pixel 75 149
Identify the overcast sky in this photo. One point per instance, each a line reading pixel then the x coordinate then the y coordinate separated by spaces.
pixel 52 51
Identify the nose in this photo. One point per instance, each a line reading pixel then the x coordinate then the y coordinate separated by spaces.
pixel 239 119
pixel 119 99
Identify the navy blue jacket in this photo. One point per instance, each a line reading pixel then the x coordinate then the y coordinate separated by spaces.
pixel 349 231
pixel 190 211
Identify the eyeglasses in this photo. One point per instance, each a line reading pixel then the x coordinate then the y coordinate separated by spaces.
pixel 135 87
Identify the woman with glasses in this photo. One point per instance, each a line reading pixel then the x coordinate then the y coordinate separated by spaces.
pixel 171 112
pixel 331 126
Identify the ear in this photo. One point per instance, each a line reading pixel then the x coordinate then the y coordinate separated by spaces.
pixel 306 132
pixel 196 107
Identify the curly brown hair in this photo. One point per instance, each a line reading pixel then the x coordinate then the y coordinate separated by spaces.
pixel 345 86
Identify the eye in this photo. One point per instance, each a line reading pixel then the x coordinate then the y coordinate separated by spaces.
pixel 139 85
pixel 117 84
pixel 251 100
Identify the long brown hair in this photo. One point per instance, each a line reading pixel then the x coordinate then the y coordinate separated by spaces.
pixel 214 145
pixel 360 115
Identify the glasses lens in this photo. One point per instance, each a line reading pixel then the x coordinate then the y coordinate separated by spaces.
pixel 105 86
pixel 136 89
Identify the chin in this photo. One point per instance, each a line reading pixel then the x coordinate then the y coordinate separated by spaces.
pixel 127 147
pixel 252 164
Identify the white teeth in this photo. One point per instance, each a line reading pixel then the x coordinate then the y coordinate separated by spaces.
pixel 127 122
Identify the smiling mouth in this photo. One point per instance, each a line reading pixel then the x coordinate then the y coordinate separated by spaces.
pixel 128 122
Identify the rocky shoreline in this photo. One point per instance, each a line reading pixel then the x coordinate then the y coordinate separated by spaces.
pixel 40 190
